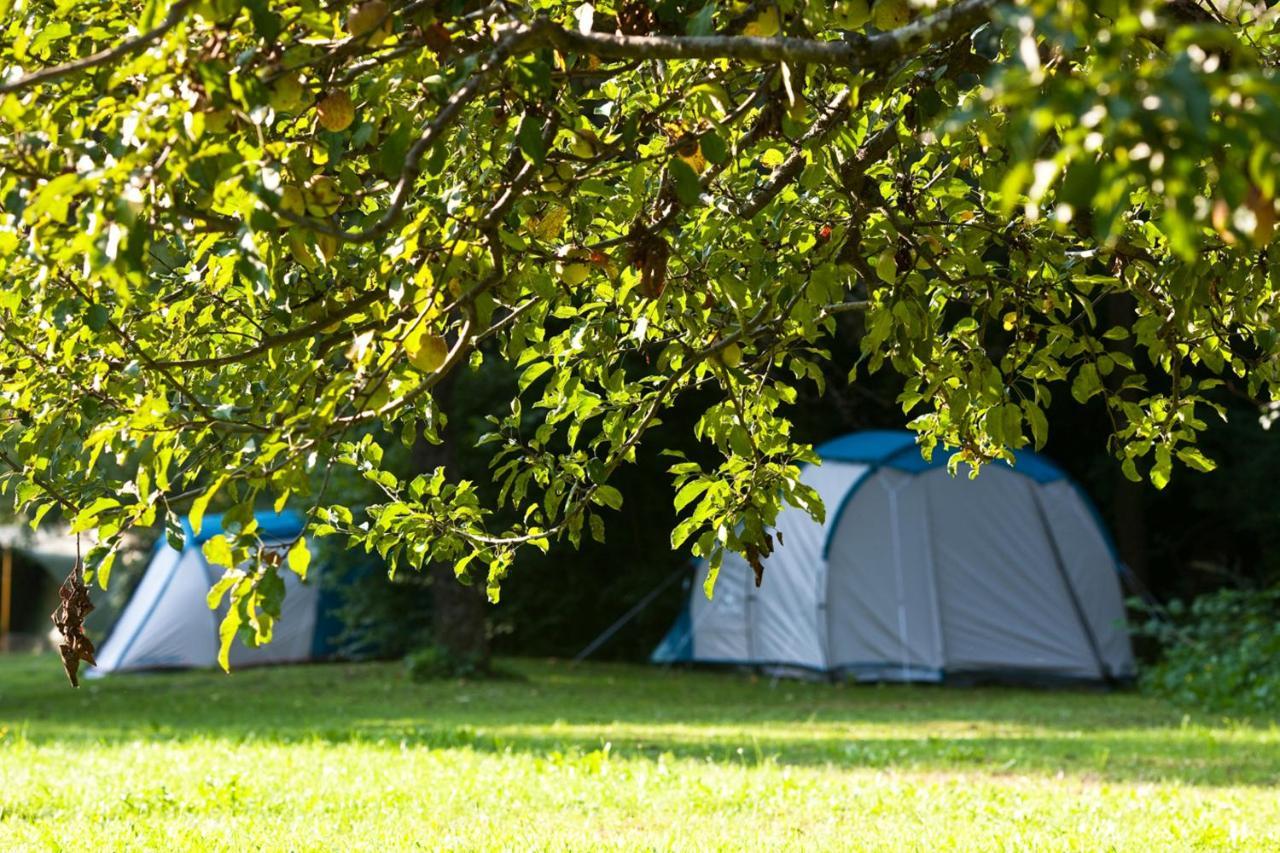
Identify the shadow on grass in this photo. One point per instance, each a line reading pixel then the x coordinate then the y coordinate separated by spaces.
pixel 554 711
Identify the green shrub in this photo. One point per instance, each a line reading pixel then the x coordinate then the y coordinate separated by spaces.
pixel 436 662
pixel 1221 653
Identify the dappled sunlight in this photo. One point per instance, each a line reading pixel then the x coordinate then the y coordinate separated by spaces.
pixel 613 756
pixel 646 714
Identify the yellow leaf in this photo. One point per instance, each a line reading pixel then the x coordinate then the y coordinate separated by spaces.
pixel 551 223
pixel 765 26
pixel 695 160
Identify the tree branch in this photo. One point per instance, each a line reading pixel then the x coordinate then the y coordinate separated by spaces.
pixel 126 48
pixel 793 165
pixel 854 52
pixel 268 344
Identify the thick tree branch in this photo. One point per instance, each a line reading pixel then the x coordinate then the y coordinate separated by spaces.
pixel 126 48
pixel 790 169
pixel 854 52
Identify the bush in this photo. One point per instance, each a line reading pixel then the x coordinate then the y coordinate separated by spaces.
pixel 1221 653
pixel 436 662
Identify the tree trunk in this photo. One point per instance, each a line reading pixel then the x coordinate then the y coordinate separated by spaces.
pixel 458 617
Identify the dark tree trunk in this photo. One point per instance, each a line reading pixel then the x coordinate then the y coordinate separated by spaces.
pixel 1128 503
pixel 459 622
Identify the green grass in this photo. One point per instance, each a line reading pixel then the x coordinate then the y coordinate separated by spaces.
pixel 343 757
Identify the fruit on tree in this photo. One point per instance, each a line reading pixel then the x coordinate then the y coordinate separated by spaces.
pixel 301 251
pixel 292 200
pixel 322 195
pixel 336 111
pixel 329 245
pixel 370 18
pixel 583 143
pixel 890 14
pixel 573 273
pixel 851 14
pixel 731 355
pixel 427 351
pixel 286 93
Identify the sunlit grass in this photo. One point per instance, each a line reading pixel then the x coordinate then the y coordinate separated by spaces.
pixel 357 757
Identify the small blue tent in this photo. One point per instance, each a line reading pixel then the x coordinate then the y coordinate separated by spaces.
pixel 916 575
pixel 168 624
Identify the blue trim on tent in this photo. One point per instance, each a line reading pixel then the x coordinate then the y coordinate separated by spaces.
pixel 677 644
pixel 898 449
pixel 844 503
pixel 271 525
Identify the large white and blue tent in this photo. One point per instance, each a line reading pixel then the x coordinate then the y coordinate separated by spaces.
pixel 918 575
pixel 167 623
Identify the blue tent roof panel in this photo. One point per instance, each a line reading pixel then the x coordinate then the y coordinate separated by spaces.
pixel 271 525
pixel 897 449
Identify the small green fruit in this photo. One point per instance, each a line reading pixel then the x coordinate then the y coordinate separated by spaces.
pixel 292 200
pixel 323 198
pixel 336 111
pixel 890 14
pixel 427 352
pixel 851 14
pixel 573 274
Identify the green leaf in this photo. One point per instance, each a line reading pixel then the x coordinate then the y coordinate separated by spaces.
pixel 713 147
pixel 1087 382
pixel 1038 422
pixel 608 496
pixel 688 188
pixel 1193 458
pixel 88 517
pixel 529 140
pixel 96 317
pixel 689 492
pixel 103 570
pixel 700 24
pixel 299 557
pixel 1160 471
pixel 201 503
pixel 217 551
pixel 227 631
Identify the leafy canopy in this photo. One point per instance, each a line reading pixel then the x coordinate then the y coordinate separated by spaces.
pixel 242 239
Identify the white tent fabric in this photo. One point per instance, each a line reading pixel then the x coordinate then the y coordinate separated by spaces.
pixel 918 575
pixel 167 623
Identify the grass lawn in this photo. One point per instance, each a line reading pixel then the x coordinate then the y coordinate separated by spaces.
pixel 357 757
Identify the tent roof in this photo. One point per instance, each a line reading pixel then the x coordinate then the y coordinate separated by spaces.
pixel 271 525
pixel 897 449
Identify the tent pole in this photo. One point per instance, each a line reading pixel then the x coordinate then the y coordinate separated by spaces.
pixel 640 605
pixel 1103 671
pixel 6 594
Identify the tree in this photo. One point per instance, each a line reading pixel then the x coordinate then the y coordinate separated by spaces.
pixel 242 239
